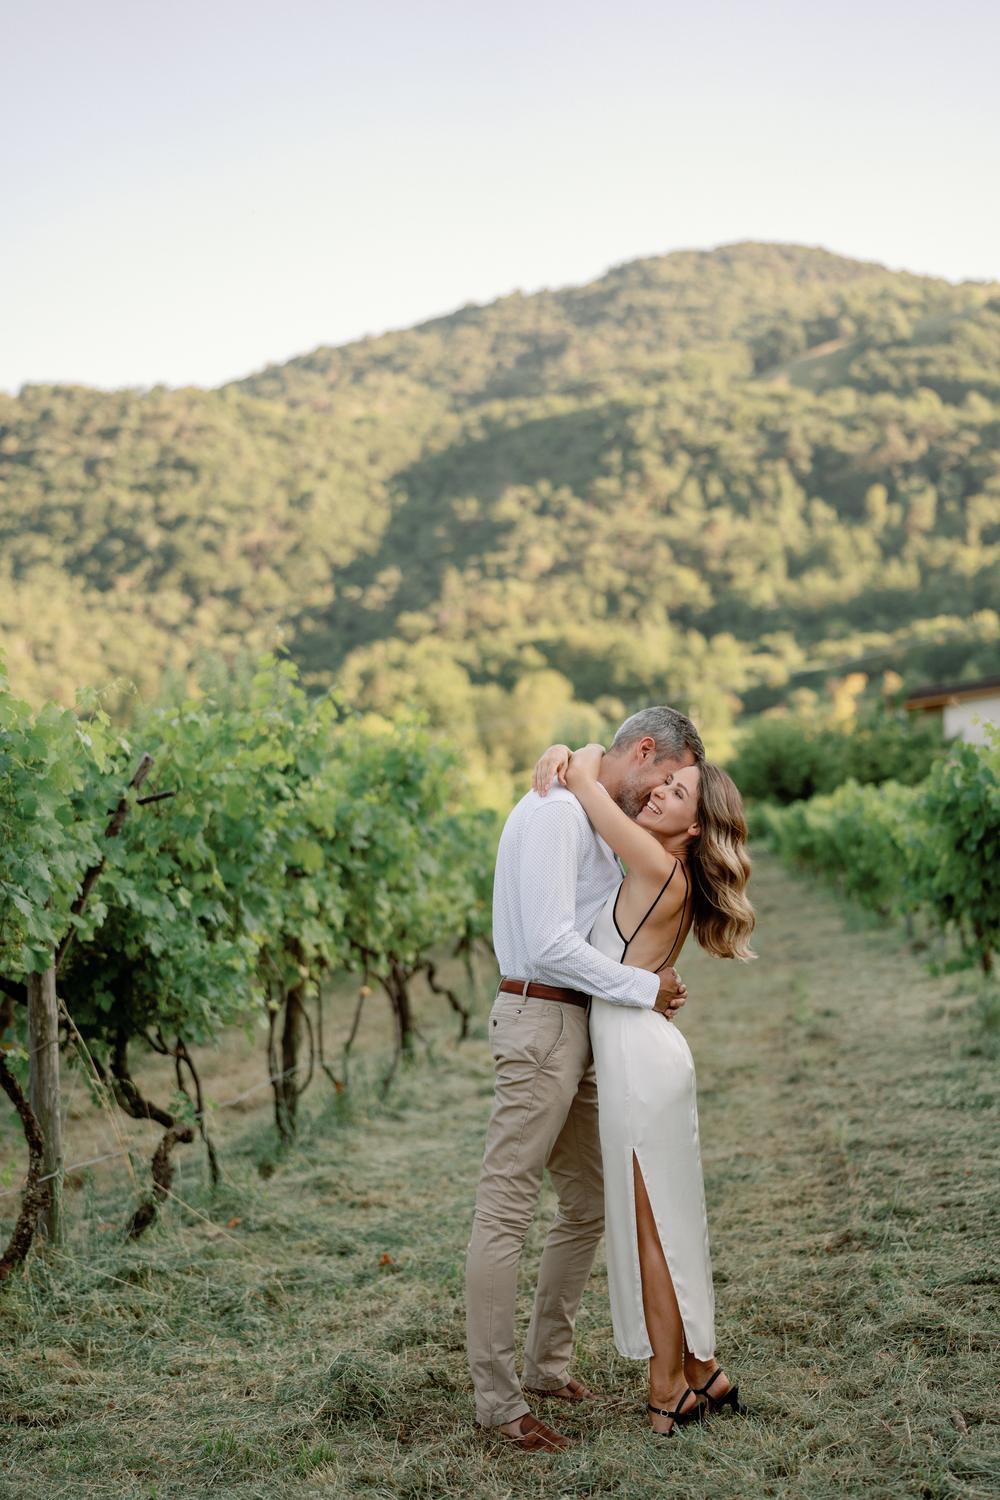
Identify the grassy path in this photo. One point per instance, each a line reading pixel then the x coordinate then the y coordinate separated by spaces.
pixel 305 1337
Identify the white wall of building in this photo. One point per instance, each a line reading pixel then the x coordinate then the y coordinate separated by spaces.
pixel 969 719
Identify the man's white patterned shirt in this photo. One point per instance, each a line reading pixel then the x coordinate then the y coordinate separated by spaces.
pixel 553 875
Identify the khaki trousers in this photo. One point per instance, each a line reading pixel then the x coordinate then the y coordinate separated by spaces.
pixel 544 1115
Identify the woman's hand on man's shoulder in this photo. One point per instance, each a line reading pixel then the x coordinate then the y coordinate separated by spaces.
pixel 551 766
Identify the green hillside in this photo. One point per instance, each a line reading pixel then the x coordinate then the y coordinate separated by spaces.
pixel 710 477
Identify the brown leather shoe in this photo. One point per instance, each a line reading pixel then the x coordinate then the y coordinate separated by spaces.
pixel 574 1390
pixel 535 1436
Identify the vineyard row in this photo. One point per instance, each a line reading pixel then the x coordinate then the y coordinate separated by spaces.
pixel 215 863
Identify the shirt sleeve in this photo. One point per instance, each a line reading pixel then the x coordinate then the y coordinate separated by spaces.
pixel 550 856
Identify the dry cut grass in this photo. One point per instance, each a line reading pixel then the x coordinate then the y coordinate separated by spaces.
pixel 300 1333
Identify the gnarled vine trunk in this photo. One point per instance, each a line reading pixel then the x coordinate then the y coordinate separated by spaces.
pixel 163 1176
pixel 36 1192
pixel 133 1103
pixel 285 1068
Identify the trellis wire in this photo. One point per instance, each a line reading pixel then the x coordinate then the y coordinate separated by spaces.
pixel 124 1150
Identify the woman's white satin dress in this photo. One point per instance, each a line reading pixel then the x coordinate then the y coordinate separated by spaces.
pixel 647 1105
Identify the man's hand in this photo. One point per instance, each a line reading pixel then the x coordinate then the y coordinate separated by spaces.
pixel 672 994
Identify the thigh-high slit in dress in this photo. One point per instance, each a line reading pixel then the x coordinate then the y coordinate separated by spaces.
pixel 647 1109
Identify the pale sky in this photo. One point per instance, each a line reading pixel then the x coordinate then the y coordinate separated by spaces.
pixel 191 190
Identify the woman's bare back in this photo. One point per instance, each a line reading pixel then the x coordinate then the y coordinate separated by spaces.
pixel 653 922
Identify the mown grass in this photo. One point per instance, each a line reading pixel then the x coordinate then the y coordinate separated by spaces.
pixel 301 1332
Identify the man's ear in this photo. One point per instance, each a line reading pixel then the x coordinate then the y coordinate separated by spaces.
pixel 646 747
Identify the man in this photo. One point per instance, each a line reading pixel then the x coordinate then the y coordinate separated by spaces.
pixel 553 875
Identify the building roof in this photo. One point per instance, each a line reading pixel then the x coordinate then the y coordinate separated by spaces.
pixel 941 693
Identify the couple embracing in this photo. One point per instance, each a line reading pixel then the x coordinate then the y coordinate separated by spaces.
pixel 583 1014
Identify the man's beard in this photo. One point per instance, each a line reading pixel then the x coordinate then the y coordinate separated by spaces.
pixel 631 800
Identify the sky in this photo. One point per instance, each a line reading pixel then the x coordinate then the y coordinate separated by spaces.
pixel 191 191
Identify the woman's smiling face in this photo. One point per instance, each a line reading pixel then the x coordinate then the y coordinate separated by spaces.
pixel 672 806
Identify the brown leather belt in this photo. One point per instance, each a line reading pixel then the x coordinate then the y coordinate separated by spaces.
pixel 544 992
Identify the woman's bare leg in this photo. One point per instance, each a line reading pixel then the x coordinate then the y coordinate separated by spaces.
pixel 698 1372
pixel 667 1380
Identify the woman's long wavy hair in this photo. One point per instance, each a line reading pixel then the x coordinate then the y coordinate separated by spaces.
pixel 720 868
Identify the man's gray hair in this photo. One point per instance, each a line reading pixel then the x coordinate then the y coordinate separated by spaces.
pixel 673 732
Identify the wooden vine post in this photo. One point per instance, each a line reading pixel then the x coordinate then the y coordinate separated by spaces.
pixel 43 1047
pixel 43 1034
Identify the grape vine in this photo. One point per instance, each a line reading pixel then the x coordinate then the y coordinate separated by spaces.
pixel 280 840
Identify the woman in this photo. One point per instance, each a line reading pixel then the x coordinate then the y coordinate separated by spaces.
pixel 687 866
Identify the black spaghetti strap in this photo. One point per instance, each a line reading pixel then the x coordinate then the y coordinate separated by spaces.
pixel 628 941
pixel 663 887
pixel 680 920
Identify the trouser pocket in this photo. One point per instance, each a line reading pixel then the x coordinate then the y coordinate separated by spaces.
pixel 525 1028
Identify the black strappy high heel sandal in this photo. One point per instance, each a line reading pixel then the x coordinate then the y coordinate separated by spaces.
pixel 717 1403
pixel 679 1418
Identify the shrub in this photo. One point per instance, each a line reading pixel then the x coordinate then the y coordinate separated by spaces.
pixel 785 759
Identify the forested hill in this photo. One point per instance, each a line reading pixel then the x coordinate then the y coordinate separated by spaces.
pixel 709 477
